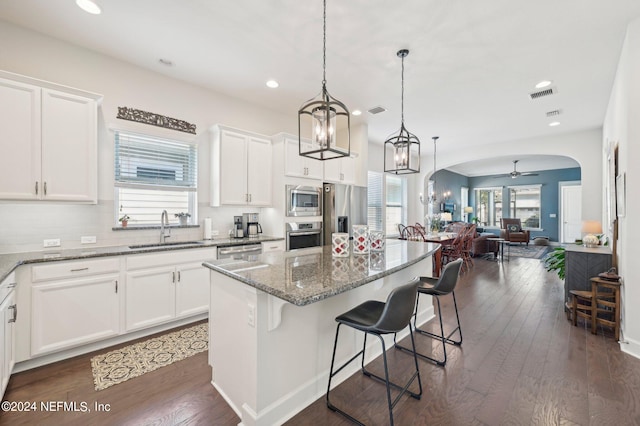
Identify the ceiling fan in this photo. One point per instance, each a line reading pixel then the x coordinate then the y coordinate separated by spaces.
pixel 515 173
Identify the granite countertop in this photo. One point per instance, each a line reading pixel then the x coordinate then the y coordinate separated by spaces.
pixel 305 276
pixel 10 261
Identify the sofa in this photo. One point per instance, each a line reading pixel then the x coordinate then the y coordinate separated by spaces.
pixel 481 244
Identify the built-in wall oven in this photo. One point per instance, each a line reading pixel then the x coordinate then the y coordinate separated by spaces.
pixel 304 200
pixel 303 235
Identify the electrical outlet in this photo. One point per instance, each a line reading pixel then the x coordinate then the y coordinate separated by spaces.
pixel 552 215
pixel 52 243
pixel 251 319
pixel 215 232
pixel 88 239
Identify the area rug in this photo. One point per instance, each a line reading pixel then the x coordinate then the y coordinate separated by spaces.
pixel 530 251
pixel 135 360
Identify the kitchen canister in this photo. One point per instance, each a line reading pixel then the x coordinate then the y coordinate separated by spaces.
pixel 360 239
pixel 340 244
pixel 376 240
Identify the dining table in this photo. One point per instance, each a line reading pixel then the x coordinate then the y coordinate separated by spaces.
pixel 444 239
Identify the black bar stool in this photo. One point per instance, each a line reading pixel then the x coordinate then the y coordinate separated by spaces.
pixel 439 287
pixel 378 318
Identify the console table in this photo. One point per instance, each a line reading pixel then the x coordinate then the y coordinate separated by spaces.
pixel 581 263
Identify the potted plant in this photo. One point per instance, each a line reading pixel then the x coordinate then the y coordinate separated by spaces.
pixel 183 217
pixel 554 261
pixel 124 220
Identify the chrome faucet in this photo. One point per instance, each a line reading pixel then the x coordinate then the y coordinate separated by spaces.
pixel 164 220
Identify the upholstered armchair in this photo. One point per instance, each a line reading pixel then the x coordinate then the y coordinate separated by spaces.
pixel 511 230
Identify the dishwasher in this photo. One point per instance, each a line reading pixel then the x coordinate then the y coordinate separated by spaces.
pixel 244 252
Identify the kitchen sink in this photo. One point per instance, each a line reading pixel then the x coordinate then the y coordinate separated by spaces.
pixel 161 245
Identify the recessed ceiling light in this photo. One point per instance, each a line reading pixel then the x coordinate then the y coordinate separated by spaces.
pixel 554 124
pixel 356 112
pixel 543 84
pixel 166 62
pixel 272 84
pixel 89 6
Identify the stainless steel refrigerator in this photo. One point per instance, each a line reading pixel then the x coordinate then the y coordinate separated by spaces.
pixel 342 207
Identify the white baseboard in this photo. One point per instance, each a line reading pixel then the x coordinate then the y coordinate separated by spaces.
pixel 631 347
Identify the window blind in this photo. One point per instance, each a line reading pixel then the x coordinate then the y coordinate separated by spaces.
pixel 143 161
pixel 374 201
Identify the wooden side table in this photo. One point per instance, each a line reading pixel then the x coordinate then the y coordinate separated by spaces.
pixel 605 302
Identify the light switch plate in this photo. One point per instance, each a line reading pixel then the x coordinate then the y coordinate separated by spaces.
pixel 552 215
pixel 88 239
pixel 52 242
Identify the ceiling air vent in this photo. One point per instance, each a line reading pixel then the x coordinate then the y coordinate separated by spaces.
pixel 377 110
pixel 543 93
pixel 554 113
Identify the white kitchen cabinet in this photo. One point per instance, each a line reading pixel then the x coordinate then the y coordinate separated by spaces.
pixel 8 316
pixel 150 297
pixel 240 168
pixel 297 165
pixel 48 135
pixel 166 286
pixel 269 246
pixel 73 311
pixel 340 170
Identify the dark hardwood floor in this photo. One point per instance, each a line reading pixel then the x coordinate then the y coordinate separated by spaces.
pixel 521 362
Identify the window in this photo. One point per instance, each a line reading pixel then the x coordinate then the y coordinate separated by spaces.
pixel 152 175
pixel 395 196
pixel 374 201
pixel 386 215
pixel 488 207
pixel 524 204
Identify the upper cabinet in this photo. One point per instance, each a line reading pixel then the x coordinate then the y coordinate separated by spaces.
pixel 298 166
pixel 240 168
pixel 340 170
pixel 48 137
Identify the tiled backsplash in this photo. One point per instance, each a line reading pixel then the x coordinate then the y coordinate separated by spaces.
pixel 24 226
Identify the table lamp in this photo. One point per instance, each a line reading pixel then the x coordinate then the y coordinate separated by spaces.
pixel 591 227
pixel 467 211
pixel 446 217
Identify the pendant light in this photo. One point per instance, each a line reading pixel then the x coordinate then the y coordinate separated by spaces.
pixel 402 150
pixel 433 198
pixel 326 118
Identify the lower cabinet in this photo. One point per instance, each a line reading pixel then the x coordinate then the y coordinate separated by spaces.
pixel 8 314
pixel 157 294
pixel 68 313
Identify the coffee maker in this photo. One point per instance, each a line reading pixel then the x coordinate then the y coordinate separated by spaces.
pixel 238 229
pixel 251 224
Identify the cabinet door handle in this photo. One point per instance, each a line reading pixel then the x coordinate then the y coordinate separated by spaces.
pixel 15 312
pixel 174 277
pixel 116 286
pixel 178 276
pixel 79 269
pixel 36 187
pixel 45 188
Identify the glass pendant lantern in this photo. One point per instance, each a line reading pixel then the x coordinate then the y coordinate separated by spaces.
pixel 324 119
pixel 402 149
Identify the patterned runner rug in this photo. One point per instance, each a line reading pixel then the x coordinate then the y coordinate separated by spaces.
pixel 135 360
pixel 531 251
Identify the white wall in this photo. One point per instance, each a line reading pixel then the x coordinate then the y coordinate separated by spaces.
pixel 23 226
pixel 622 126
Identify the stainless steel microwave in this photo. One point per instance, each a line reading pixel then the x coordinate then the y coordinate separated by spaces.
pixel 304 200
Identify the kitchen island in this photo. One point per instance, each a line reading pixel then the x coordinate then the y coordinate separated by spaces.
pixel 272 322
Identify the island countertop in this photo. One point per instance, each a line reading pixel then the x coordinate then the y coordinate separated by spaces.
pixel 306 276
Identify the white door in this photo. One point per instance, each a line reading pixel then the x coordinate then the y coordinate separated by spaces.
pixel 69 147
pixel 19 140
pixel 233 168
pixel 72 312
pixel 8 312
pixel 571 213
pixel 259 171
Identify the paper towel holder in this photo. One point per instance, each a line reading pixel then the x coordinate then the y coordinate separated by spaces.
pixel 207 228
